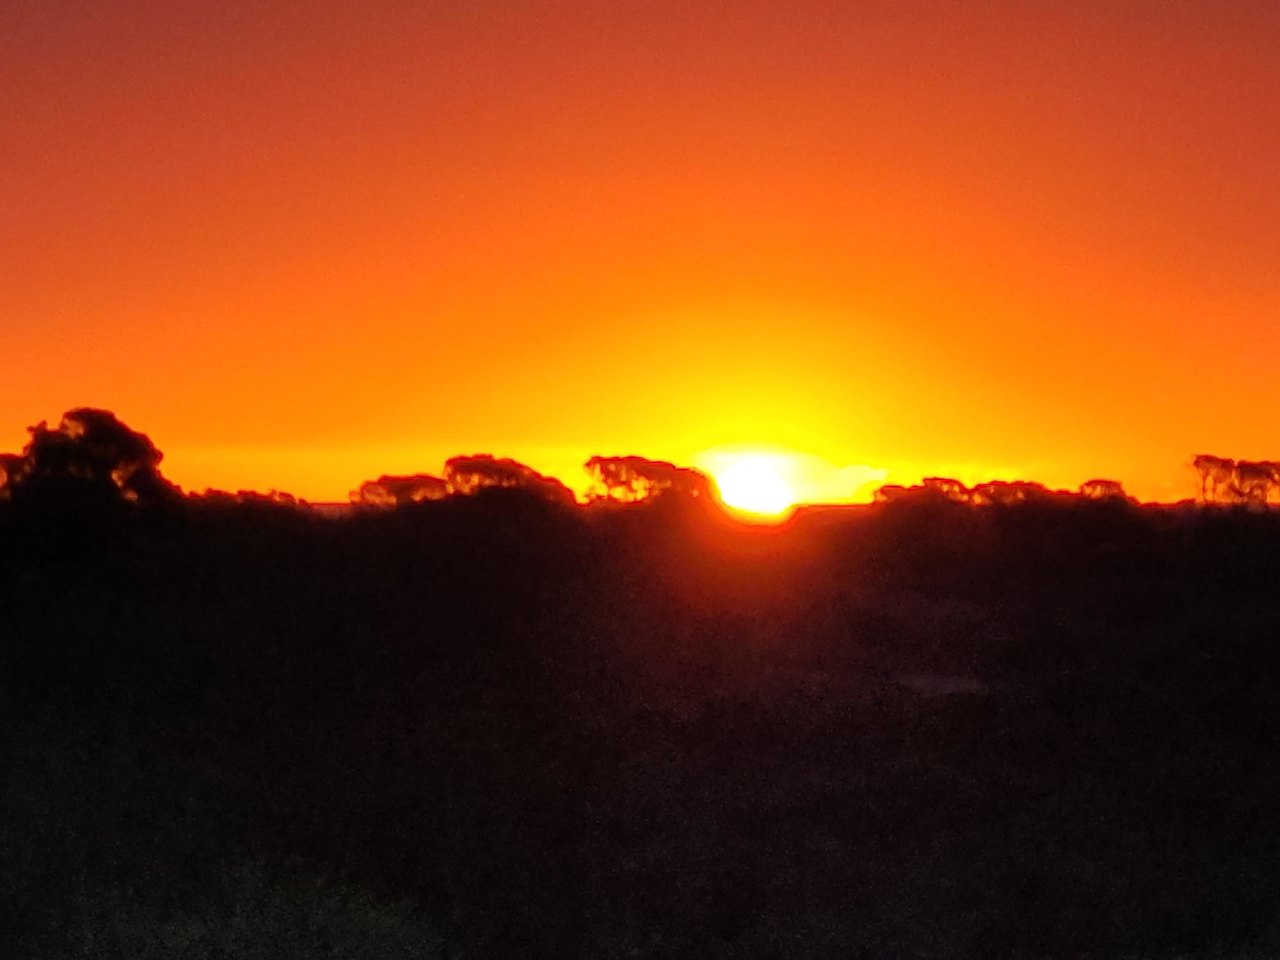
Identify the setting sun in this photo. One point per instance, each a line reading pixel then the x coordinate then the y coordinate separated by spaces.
pixel 766 480
pixel 592 478
pixel 756 483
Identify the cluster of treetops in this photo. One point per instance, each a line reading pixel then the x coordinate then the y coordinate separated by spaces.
pixel 92 454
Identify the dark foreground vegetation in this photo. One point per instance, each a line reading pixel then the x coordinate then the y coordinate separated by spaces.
pixel 501 725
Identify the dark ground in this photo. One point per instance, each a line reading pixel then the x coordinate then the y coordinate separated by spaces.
pixel 489 727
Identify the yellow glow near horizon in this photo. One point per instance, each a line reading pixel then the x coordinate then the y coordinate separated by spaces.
pixel 756 483
pixel 769 480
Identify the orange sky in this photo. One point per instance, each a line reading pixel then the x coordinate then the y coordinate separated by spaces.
pixel 303 244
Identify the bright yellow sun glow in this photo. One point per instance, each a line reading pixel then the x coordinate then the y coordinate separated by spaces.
pixel 756 483
pixel 766 482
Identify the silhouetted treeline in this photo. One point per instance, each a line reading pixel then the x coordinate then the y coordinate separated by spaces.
pixel 970 723
pixel 1223 480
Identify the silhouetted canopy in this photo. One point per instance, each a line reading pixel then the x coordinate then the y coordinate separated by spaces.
pixel 1255 481
pixel 393 491
pixel 91 452
pixel 943 490
pixel 1103 490
pixel 631 479
pixel 952 490
pixel 1227 481
pixel 1004 493
pixel 468 475
pixel 940 490
pixel 11 465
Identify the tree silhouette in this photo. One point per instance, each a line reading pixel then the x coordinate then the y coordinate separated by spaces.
pixel 931 490
pixel 1103 490
pixel 91 454
pixel 631 479
pixel 1227 481
pixel 891 493
pixel 1215 477
pixel 392 491
pixel 1253 481
pixel 1005 493
pixel 11 466
pixel 468 475
pixel 952 490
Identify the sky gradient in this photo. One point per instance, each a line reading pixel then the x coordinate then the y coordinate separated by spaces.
pixel 304 244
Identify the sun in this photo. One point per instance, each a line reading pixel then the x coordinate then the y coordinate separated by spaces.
pixel 756 483
pixel 765 483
